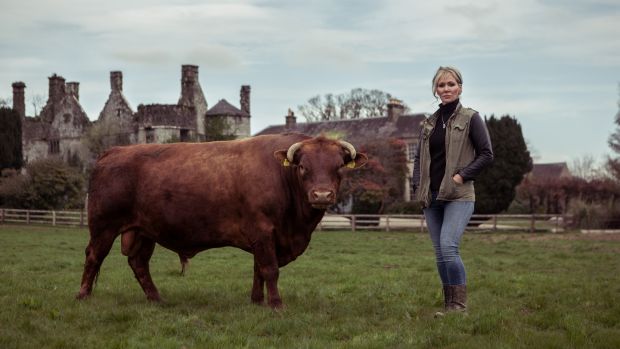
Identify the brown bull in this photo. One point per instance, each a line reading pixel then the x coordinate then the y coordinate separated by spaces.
pixel 264 195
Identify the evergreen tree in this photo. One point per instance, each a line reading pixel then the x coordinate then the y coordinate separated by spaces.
pixel 614 144
pixel 10 139
pixel 495 187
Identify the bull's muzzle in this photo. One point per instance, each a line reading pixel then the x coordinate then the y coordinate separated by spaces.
pixel 322 198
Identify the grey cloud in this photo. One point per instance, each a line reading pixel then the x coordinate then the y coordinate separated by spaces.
pixel 152 57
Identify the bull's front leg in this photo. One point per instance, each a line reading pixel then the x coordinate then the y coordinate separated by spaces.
pixel 258 296
pixel 266 271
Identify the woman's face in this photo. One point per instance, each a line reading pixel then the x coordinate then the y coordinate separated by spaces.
pixel 448 89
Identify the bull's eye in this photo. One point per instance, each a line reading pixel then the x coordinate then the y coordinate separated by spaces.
pixel 304 171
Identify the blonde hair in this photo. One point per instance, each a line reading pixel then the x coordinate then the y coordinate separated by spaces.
pixel 443 71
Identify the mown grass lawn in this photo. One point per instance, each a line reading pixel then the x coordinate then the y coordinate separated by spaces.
pixel 349 290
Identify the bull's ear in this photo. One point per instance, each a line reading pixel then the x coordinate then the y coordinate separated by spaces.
pixel 360 160
pixel 280 155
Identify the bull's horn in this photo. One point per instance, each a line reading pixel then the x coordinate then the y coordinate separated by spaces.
pixel 291 151
pixel 348 146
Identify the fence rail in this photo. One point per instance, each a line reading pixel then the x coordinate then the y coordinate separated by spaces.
pixel 66 218
pixel 527 223
pixel 478 222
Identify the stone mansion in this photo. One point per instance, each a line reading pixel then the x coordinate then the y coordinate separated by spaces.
pixel 59 129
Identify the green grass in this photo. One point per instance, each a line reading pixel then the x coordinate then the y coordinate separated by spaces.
pixel 349 290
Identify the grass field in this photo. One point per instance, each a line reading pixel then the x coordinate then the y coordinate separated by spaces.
pixel 349 290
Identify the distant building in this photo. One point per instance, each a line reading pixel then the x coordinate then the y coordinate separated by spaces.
pixel 549 172
pixel 59 129
pixel 184 121
pixel 405 127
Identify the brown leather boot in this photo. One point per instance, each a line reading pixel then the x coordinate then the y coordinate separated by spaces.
pixel 455 299
pixel 447 299
pixel 458 301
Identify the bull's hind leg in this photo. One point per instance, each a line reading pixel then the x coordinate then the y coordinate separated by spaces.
pixel 139 262
pixel 98 248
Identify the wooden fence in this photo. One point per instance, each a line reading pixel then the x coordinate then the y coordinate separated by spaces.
pixel 65 218
pixel 526 223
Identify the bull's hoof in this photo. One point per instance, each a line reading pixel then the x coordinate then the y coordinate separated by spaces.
pixel 260 302
pixel 155 298
pixel 82 295
pixel 277 305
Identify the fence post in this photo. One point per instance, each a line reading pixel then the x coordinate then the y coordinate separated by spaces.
pixel 422 224
pixel 53 218
pixel 494 222
pixel 353 223
pixel 533 224
pixel 1 215
pixel 28 217
pixel 81 217
pixel 387 223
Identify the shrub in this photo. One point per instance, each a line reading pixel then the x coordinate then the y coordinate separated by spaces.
pixel 46 184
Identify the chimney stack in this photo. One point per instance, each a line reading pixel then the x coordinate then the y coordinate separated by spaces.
pixel 56 88
pixel 245 99
pixel 189 77
pixel 73 89
pixel 291 120
pixel 19 101
pixel 116 81
pixel 395 109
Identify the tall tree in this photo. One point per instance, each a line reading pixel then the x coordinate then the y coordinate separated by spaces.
pixel 10 139
pixel 355 104
pixel 614 143
pixel 495 187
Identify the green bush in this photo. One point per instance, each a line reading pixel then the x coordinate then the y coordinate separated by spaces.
pixel 46 184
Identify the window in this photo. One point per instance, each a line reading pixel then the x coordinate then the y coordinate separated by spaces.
pixel 184 136
pixel 150 135
pixel 54 146
pixel 411 149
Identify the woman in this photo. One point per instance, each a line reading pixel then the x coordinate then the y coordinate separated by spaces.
pixel 454 147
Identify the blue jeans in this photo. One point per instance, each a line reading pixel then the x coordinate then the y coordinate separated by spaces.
pixel 446 221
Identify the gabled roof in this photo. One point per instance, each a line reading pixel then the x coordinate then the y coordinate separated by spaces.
pixel 223 108
pixel 550 171
pixel 405 127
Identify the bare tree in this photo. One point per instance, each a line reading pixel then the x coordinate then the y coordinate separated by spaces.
pixel 6 102
pixel 355 104
pixel 584 167
pixel 37 101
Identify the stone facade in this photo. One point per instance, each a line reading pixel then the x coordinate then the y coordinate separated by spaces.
pixel 159 123
pixel 237 121
pixel 59 129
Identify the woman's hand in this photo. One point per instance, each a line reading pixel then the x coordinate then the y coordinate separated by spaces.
pixel 458 179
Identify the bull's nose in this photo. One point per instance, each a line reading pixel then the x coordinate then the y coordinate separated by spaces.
pixel 322 195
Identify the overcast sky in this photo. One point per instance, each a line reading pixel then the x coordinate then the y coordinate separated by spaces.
pixel 553 64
